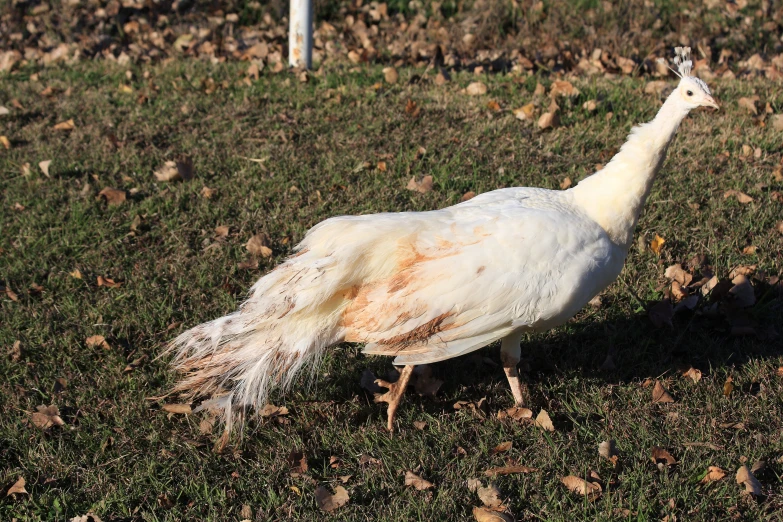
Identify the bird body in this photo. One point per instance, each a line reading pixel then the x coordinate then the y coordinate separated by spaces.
pixel 429 286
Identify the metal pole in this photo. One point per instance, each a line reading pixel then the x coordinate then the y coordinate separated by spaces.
pixel 300 34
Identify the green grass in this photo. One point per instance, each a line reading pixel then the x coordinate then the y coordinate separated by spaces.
pixel 119 454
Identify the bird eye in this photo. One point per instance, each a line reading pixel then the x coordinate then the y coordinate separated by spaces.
pixel 689 93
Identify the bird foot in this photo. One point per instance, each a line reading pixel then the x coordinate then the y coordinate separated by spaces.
pixel 518 388
pixel 394 396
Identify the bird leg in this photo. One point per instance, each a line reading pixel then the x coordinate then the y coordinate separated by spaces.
pixel 510 353
pixel 394 395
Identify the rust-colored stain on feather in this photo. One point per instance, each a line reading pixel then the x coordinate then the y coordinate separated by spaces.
pixel 419 334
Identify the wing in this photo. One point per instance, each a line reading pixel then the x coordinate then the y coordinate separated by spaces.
pixel 472 274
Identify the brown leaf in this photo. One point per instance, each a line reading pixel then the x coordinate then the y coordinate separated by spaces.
pixel 419 425
pixel 590 105
pixel 112 196
pixel 168 172
pixel 412 108
pixel 221 231
pixel 328 502
pixel 488 515
pixel 411 479
pixel 108 282
pixel 46 417
pixel 77 274
pixel 657 244
pixel 493 106
pixel 692 374
pixel 580 486
pixel 677 274
pixel 258 246
pixel 714 473
pixel 390 75
pixel 749 104
pixel 476 89
pixel 11 294
pixel 135 363
pixel 381 166
pixel 17 488
pixel 489 496
pixel 206 425
pixel 525 112
pixel 297 461
pixel 65 125
pixel 183 409
pixel 517 414
pixel 562 88
pixel 44 166
pixel 752 485
pixel 741 196
pixel 608 450
pixel 728 386
pixel 270 410
pixel 501 448
pixel 548 120
pixel 544 422
pixel 5 142
pixel 660 455
pixel 467 195
pixel 660 395
pixel 423 186
pixel 566 183
pixel 207 192
pixel 16 351
pixel 508 470
pixel 655 87
pixel 97 341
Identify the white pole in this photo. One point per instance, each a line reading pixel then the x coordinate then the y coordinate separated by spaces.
pixel 300 34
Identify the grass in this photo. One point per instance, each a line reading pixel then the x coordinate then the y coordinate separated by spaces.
pixel 122 457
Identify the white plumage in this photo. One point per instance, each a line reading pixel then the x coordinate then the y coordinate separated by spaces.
pixel 430 286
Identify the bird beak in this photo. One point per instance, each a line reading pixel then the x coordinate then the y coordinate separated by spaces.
pixel 711 102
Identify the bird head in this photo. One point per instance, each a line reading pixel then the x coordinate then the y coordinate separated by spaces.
pixel 692 91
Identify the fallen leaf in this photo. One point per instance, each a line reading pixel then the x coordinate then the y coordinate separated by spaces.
pixel 657 244
pixel 11 294
pixel 752 485
pixel 660 395
pixel 411 479
pixel 728 386
pixel 206 425
pixel 566 183
pixel 525 112
pixel 543 421
pixel 509 470
pixel 381 166
pixel 135 363
pixel 655 87
pixel 108 282
pixel 183 409
pixel 476 89
pixel 207 192
pixel 487 515
pixel 328 502
pixel 562 88
pixel 590 105
pixel 660 455
pixel 221 231
pixel 714 473
pixel 17 488
pixel 467 195
pixel 65 125
pixel 97 341
pixel 501 448
pixel 677 274
pixel 540 90
pixel 4 111
pixel 390 75
pixel 112 196
pixel 16 351
pixel 44 166
pixel 749 104
pixel 5 142
pixel 582 487
pixel 270 410
pixel 548 120
pixel 297 461
pixel 423 186
pixel 77 274
pixel 46 417
pixel 741 196
pixel 246 512
pixel 258 246
pixel 168 172
pixel 419 425
pixel 517 414
pixel 493 106
pixel 608 450
pixel 490 496
pixel 692 374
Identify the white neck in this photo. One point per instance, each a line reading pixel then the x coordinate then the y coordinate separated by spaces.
pixel 615 195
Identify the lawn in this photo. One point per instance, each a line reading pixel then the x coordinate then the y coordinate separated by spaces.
pixel 280 155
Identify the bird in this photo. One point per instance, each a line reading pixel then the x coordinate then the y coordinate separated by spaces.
pixel 424 287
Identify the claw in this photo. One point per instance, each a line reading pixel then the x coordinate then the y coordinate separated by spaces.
pixel 394 395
